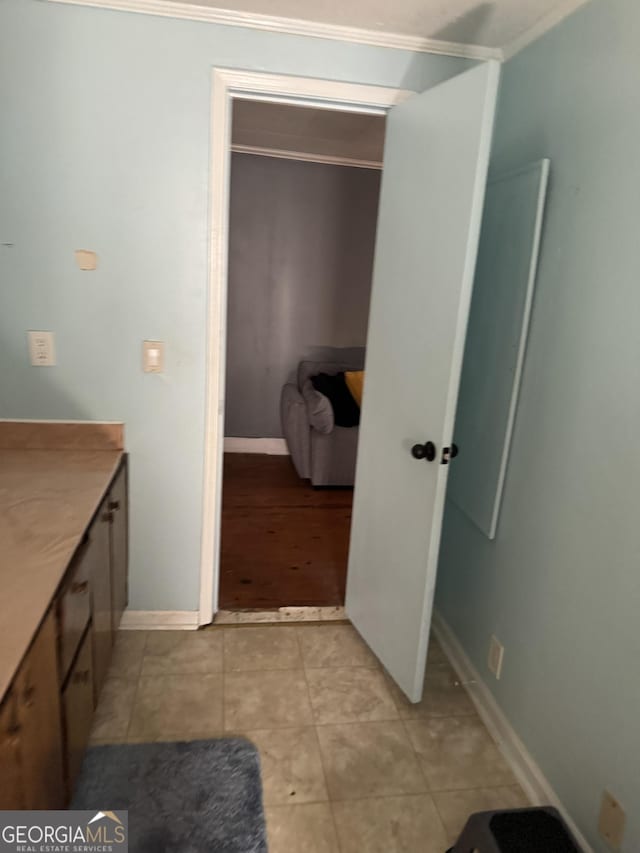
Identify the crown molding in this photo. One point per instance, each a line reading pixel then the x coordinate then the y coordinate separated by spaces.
pixel 355 35
pixel 291 26
pixel 546 23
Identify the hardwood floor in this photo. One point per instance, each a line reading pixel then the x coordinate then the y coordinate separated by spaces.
pixel 284 543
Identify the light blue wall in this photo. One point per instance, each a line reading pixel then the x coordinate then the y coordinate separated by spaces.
pixel 560 586
pixel 105 145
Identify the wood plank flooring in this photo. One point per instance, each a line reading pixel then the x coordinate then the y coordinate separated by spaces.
pixel 284 543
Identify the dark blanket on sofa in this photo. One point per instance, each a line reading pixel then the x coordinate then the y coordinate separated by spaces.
pixel 346 412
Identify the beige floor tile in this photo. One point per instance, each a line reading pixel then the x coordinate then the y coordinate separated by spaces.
pixel 128 649
pixel 273 647
pixel 369 759
pixel 266 700
pixel 334 646
pixel 177 706
pixel 301 829
pixel 113 714
pixel 390 825
pixel 458 752
pixel 291 767
pixel 182 652
pixel 455 807
pixel 350 695
pixel 443 696
pixel 435 654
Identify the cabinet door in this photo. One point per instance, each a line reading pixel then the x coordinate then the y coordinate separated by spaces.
pixel 40 723
pixel 77 702
pixel 118 508
pixel 74 608
pixel 99 549
pixel 11 790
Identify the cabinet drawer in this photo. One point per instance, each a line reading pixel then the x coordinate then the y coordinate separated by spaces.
pixel 77 704
pixel 75 608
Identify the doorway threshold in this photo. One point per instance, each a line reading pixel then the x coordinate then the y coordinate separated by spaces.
pixel 280 615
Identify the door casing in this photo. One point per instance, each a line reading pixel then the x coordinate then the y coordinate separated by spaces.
pixel 227 85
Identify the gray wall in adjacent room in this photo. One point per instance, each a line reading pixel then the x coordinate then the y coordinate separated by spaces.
pixel 300 261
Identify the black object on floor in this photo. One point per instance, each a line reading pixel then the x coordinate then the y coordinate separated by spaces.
pixel 201 796
pixel 535 830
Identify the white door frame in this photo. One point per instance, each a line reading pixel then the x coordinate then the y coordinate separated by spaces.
pixel 228 84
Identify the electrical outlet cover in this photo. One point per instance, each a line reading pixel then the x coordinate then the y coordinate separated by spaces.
pixel 612 821
pixel 42 351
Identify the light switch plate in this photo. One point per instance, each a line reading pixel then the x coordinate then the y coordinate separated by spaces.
pixel 42 352
pixel 153 356
pixel 612 821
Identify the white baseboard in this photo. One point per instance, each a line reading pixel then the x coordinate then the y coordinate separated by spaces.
pixel 528 773
pixel 271 446
pixel 159 620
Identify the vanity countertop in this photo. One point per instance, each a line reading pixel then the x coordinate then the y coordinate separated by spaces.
pixel 47 500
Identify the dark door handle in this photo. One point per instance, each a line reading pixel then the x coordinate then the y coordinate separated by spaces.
pixel 424 451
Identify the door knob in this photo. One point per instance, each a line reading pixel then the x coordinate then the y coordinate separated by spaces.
pixel 424 451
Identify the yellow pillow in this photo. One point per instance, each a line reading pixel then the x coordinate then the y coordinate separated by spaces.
pixel 355 381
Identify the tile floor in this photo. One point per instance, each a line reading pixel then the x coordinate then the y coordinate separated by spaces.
pixel 348 764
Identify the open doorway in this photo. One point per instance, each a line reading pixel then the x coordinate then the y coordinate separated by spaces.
pixel 437 146
pixel 304 188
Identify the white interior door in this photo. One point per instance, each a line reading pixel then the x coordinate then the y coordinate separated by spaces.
pixel 435 167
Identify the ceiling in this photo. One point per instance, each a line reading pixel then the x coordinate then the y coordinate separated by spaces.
pixel 485 23
pixel 305 133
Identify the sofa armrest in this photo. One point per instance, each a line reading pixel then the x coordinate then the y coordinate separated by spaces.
pixel 296 429
pixel 319 409
pixel 333 457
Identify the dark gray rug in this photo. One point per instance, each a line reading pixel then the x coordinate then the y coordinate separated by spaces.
pixel 197 797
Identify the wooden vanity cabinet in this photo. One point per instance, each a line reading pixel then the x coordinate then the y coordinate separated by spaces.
pixel 47 712
pixel 32 774
pixel 109 547
pixel 119 520
pixel 99 551
pixel 38 706
pixel 74 607
pixel 11 791
pixel 78 703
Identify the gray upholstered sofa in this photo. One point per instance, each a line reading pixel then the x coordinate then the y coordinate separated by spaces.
pixel 320 451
